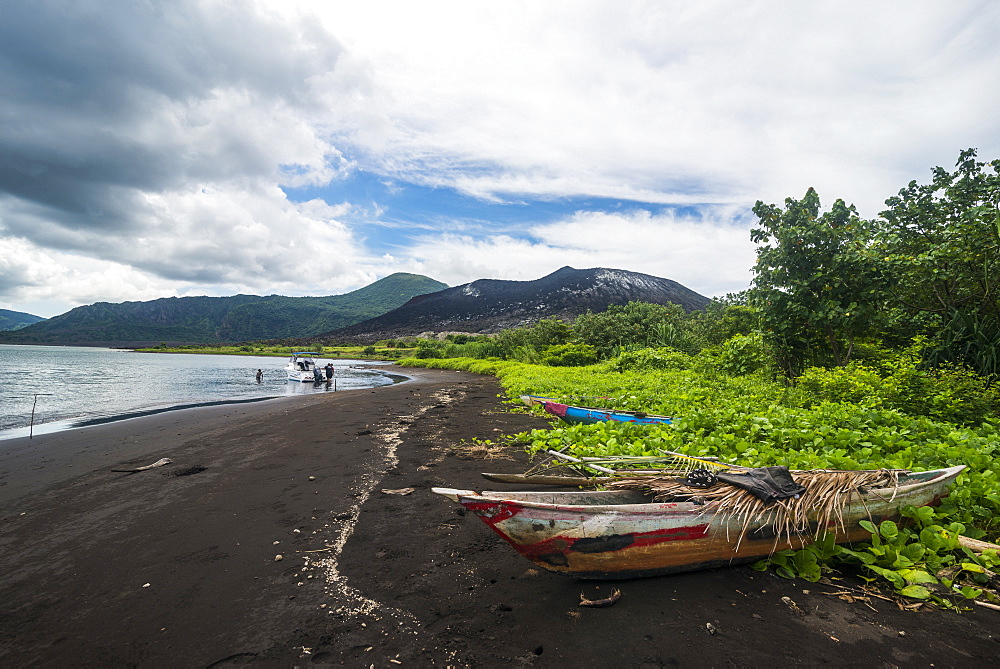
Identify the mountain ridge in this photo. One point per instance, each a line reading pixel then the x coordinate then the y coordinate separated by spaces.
pixel 211 320
pixel 490 305
pixel 15 320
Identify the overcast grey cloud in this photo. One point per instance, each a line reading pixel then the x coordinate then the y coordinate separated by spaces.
pixel 213 146
pixel 154 136
pixel 147 97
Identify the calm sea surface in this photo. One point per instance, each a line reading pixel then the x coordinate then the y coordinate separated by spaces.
pixel 75 386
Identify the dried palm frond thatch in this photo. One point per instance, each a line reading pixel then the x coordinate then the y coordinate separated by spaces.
pixel 820 507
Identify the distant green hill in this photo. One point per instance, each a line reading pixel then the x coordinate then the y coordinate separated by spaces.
pixel 14 320
pixel 209 320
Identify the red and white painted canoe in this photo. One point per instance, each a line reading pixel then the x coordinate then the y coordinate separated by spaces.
pixel 621 534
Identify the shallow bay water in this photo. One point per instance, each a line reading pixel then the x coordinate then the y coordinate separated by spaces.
pixel 76 386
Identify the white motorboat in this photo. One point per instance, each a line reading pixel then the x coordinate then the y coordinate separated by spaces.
pixel 303 367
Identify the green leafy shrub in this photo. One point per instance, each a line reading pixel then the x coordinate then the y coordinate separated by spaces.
pixel 956 394
pixel 427 348
pixel 950 392
pixel 723 318
pixel 569 355
pixel 854 383
pixel 921 560
pixel 527 354
pixel 647 359
pixel 744 354
pixel 549 332
pixel 636 323
pixel 482 348
pixel 507 341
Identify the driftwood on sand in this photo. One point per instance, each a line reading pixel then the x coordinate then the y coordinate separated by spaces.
pixel 158 463
pixel 600 603
pixel 977 546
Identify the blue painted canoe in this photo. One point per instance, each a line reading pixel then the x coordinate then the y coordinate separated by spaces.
pixel 576 415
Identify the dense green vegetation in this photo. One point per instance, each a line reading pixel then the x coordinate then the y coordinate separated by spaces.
pixel 861 345
pixel 212 320
pixel 755 420
pixel 928 265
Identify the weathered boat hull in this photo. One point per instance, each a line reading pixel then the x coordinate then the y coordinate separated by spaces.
pixel 614 534
pixel 576 415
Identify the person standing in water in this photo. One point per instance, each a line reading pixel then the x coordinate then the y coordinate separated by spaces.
pixel 329 371
pixel 260 375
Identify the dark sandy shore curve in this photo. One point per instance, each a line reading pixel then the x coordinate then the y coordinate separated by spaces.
pixel 28 465
pixel 178 567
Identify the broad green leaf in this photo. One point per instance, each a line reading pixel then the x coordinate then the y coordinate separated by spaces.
pixel 901 561
pixel 915 591
pixel 972 567
pixel 931 540
pixel 969 593
pixel 864 556
pixel 888 529
pixel 807 565
pixel 890 575
pixel 917 576
pixel 913 552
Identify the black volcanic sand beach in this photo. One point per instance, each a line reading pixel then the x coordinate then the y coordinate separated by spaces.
pixel 176 566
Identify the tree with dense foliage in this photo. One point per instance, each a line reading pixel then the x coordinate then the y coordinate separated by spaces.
pixel 723 318
pixel 817 285
pixel 549 332
pixel 941 243
pixel 633 324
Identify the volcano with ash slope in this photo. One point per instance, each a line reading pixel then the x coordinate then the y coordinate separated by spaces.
pixel 491 305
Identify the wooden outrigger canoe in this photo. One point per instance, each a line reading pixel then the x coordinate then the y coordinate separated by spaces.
pixel 621 534
pixel 577 415
pixel 553 480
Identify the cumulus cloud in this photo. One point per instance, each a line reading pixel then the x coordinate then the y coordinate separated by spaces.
pixel 710 252
pixel 214 240
pixel 48 280
pixel 667 101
